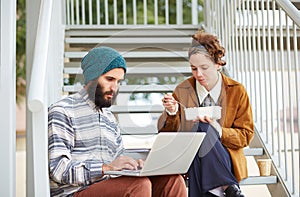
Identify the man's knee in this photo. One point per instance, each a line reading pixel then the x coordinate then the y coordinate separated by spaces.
pixel 144 182
pixel 141 186
pixel 177 180
pixel 177 186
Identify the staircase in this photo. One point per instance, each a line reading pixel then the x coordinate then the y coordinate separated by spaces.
pixel 157 60
pixel 155 48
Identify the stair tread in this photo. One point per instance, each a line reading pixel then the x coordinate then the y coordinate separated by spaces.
pixel 136 54
pixel 131 30
pixel 136 109
pixel 129 88
pixel 259 180
pixel 253 151
pixel 130 40
pixel 142 64
pixel 141 70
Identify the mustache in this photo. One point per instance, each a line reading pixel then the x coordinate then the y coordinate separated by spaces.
pixel 109 92
pixel 105 93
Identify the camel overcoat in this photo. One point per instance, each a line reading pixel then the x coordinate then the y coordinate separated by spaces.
pixel 236 121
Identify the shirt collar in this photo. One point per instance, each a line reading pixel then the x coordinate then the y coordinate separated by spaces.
pixel 214 93
pixel 85 97
pixel 91 103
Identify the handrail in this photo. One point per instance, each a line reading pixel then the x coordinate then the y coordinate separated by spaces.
pixel 291 10
pixel 36 94
pixel 37 98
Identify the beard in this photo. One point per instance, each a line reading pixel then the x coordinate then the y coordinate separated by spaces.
pixel 96 94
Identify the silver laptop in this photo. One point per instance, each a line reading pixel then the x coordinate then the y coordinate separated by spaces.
pixel 171 153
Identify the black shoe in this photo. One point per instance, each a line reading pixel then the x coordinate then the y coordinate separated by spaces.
pixel 233 191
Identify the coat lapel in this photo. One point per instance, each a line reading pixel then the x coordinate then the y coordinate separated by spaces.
pixel 190 87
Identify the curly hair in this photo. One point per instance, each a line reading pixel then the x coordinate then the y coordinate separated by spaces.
pixel 211 44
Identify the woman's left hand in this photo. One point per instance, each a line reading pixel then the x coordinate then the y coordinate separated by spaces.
pixel 205 119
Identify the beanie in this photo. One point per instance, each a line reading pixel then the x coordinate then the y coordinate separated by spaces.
pixel 99 61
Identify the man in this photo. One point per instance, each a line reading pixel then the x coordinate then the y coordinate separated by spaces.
pixel 85 140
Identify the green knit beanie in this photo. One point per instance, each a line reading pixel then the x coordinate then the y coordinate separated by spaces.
pixel 99 61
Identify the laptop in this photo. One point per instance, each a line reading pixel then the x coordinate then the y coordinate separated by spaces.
pixel 171 153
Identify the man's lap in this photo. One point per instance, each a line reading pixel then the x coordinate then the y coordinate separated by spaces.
pixel 136 186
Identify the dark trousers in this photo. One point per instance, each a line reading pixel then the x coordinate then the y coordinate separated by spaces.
pixel 212 166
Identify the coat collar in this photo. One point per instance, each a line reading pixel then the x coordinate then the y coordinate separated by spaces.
pixel 190 86
pixel 227 81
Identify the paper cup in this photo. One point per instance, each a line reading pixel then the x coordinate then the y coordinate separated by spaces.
pixel 264 166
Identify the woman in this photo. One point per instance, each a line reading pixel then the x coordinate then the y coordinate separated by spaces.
pixel 221 163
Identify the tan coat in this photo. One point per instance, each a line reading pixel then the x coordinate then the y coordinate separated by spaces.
pixel 237 121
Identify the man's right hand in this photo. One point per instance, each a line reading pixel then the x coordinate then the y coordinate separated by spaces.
pixel 123 162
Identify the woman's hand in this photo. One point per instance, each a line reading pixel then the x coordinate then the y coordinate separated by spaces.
pixel 169 103
pixel 205 119
pixel 212 122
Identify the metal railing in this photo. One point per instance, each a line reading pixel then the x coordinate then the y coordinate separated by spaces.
pixel 44 88
pixel 263 50
pixel 132 12
pixel 37 103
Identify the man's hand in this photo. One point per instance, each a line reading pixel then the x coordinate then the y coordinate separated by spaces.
pixel 123 162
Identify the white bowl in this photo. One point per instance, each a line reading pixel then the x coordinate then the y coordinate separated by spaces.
pixel 192 113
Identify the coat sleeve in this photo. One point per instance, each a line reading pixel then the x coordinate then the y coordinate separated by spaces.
pixel 168 122
pixel 240 130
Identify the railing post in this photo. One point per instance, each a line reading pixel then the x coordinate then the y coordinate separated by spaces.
pixel 194 12
pixel 179 14
pixel 8 97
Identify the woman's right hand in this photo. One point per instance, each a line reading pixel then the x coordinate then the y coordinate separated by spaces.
pixel 169 103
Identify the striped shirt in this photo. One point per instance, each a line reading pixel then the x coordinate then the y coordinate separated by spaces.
pixel 81 140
